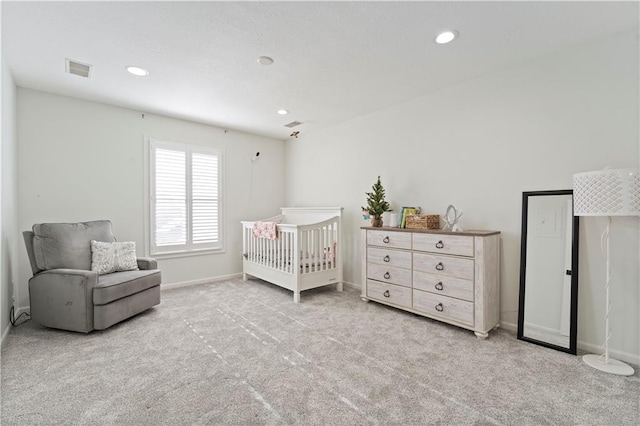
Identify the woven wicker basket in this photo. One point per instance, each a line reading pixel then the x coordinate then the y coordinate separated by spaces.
pixel 429 221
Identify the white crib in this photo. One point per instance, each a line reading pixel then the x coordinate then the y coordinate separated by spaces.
pixel 306 254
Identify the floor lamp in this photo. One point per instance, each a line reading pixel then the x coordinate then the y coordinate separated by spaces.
pixel 607 193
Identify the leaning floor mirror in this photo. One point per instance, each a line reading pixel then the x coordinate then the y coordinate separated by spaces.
pixel 548 308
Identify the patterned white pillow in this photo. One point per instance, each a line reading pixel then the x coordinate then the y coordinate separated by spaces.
pixel 113 257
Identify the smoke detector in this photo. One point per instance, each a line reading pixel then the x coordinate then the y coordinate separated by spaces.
pixel 78 68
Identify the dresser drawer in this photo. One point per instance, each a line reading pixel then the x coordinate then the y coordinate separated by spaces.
pixel 441 284
pixel 396 258
pixel 443 307
pixel 461 245
pixel 393 239
pixel 389 293
pixel 389 274
pixel 443 265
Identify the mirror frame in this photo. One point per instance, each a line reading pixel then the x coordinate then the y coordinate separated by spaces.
pixel 573 316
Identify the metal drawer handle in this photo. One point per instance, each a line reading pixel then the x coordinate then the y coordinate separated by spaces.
pixel 386 293
pixel 439 244
pixel 440 266
pixel 387 258
pixel 387 275
pixel 439 286
pixel 439 307
pixel 385 240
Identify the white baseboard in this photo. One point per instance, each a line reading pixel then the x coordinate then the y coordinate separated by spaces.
pixel 199 281
pixel 226 277
pixel 352 285
pixel 589 347
pixel 538 327
pixel 16 314
pixel 619 355
pixel 6 333
pixel 509 326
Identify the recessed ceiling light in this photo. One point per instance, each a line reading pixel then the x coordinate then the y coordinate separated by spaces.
pixel 265 60
pixel 283 112
pixel 446 37
pixel 141 72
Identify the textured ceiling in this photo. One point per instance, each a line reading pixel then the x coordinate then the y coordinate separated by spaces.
pixel 333 60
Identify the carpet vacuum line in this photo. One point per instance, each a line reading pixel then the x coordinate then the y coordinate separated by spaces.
pixel 405 376
pixel 323 382
pixel 254 392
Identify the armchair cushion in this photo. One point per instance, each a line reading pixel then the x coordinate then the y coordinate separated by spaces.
pixel 115 286
pixel 67 245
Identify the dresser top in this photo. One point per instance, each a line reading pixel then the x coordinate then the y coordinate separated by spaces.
pixel 470 232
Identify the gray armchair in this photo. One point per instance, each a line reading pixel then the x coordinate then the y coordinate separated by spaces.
pixel 64 293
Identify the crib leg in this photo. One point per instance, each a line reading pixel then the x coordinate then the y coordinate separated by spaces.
pixel 296 297
pixel 339 286
pixel 244 276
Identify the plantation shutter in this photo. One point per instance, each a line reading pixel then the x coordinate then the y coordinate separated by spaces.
pixel 185 198
pixel 204 171
pixel 170 198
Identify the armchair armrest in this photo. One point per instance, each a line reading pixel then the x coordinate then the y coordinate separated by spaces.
pixel 63 298
pixel 147 263
pixel 71 272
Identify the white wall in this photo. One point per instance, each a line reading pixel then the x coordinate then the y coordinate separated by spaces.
pixel 80 161
pixel 479 145
pixel 8 194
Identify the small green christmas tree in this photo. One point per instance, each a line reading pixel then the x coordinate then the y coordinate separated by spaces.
pixel 376 205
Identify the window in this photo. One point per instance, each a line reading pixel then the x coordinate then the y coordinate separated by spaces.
pixel 186 198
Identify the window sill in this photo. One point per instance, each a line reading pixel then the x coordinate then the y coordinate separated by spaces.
pixel 191 253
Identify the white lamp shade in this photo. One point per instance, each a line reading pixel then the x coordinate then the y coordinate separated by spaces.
pixel 606 192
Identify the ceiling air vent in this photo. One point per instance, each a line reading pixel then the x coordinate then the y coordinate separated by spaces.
pixel 293 124
pixel 77 68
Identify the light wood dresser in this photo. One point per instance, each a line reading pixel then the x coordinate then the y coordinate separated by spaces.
pixel 452 277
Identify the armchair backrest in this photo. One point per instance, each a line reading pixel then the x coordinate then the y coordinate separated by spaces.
pixel 28 242
pixel 65 245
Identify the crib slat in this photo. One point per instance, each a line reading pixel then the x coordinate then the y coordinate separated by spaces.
pixel 325 245
pixel 317 249
pixel 328 246
pixel 267 244
pixel 320 246
pixel 333 245
pixel 304 250
pixel 304 242
pixel 311 251
pixel 278 242
pixel 252 248
pixel 288 255
pixel 336 244
pixel 305 265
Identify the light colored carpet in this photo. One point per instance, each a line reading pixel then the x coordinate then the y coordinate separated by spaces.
pixel 242 353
